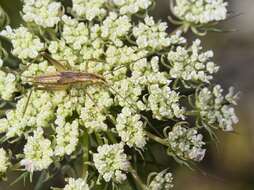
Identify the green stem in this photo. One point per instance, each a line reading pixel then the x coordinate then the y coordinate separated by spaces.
pixel 111 137
pixel 192 113
pixel 98 138
pixel 137 179
pixel 184 28
pixel 85 156
pixel 157 139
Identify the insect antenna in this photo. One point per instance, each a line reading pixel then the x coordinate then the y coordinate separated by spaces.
pixel 110 87
pixel 117 93
pixel 20 72
pixel 122 66
pixel 124 98
pixel 135 108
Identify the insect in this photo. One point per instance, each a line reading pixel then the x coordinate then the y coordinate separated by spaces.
pixel 65 78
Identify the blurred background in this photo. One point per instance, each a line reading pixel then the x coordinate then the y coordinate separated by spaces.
pixel 230 166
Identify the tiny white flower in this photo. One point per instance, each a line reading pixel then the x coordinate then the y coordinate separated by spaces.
pixel 76 34
pixel 38 152
pixel 201 11
pixel 111 162
pixel 130 128
pixel 114 28
pixel 186 143
pixel 4 162
pixel 162 181
pixel 67 138
pixel 151 35
pixel 191 64
pixel 76 184
pixel 214 109
pixel 130 7
pixel 164 103
pixel 25 44
pixel 93 120
pixel 8 85
pixel 45 13
pixel 89 9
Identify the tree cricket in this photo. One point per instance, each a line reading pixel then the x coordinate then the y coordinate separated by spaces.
pixel 65 78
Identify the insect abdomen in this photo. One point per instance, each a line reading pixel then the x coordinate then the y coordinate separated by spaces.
pixel 82 77
pixel 67 78
pixel 50 79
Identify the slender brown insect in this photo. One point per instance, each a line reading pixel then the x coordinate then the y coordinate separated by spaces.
pixel 64 79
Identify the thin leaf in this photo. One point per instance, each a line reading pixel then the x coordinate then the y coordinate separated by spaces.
pixel 23 175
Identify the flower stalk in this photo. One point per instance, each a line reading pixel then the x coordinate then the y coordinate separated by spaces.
pixel 85 155
pixel 137 179
pixel 157 139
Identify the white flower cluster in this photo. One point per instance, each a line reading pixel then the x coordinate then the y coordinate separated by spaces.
pixel 114 28
pixel 200 11
pixel 89 9
pixel 151 35
pixel 145 73
pixel 128 93
pixel 67 138
pixel 130 7
pixel 8 85
pixel 111 162
pixel 130 128
pixel 35 69
pixel 140 64
pixel 161 100
pixel 93 120
pixel 186 143
pixel 191 64
pixel 93 115
pixel 45 13
pixel 162 181
pixel 76 184
pixel 4 162
pixel 78 37
pixel 38 113
pixel 215 109
pixel 25 44
pixel 62 51
pixel 38 152
pixel 122 57
pixel 66 104
pixel 164 102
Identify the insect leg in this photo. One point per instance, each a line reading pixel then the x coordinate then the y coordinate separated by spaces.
pixel 134 107
pixel 59 66
pixel 95 103
pixel 26 67
pixel 68 66
pixel 28 99
pixel 51 87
